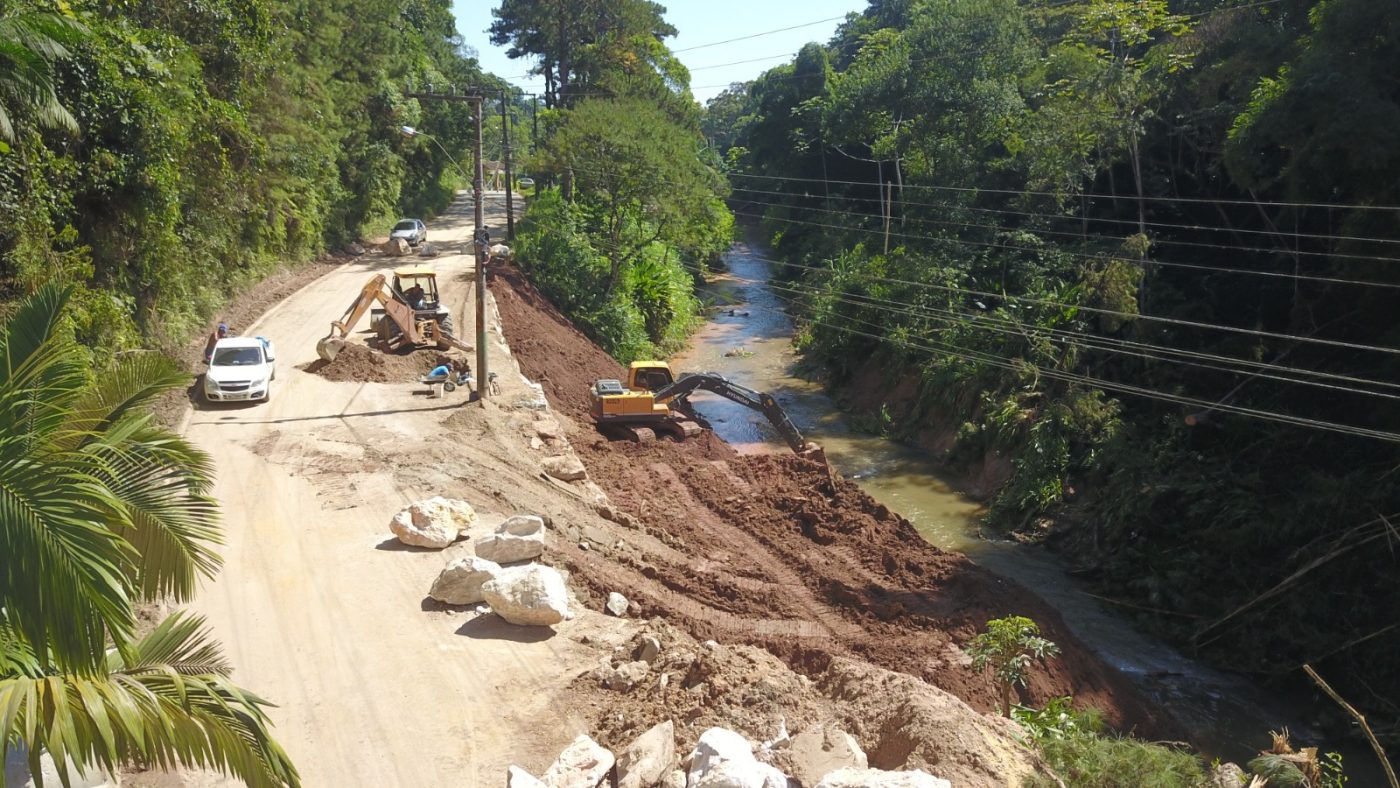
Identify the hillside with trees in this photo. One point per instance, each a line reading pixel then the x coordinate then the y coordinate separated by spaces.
pixel 158 155
pixel 635 198
pixel 1141 255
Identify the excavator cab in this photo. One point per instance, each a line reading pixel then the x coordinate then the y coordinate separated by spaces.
pixel 649 376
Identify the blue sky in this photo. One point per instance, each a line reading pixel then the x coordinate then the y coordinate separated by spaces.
pixel 700 22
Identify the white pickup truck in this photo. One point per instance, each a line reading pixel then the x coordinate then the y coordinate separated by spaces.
pixel 241 368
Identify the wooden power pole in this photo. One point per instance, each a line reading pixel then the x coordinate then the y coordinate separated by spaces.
pixel 480 238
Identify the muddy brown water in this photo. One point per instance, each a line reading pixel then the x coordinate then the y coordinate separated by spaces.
pixel 1226 716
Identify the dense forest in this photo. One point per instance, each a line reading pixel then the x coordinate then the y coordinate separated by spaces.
pixel 1141 259
pixel 635 202
pixel 194 146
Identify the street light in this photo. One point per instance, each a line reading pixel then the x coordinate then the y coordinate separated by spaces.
pixel 409 131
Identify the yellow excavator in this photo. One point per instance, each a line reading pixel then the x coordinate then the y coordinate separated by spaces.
pixel 411 313
pixel 649 403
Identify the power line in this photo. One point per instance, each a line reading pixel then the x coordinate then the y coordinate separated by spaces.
pixel 1116 313
pixel 757 35
pixel 1033 193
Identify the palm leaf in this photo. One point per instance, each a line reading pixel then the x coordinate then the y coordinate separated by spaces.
pixel 170 705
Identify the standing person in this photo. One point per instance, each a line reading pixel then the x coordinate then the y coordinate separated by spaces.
pixel 219 333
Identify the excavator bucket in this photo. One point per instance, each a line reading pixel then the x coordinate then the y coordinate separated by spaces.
pixel 329 347
pixel 814 452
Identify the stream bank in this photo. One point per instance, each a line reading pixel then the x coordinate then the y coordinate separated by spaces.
pixel 749 341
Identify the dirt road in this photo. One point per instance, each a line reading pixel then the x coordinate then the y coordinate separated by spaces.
pixel 322 613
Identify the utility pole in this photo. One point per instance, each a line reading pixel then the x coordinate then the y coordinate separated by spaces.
pixel 505 154
pixel 475 98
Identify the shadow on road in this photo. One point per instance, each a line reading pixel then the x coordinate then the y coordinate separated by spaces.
pixel 492 627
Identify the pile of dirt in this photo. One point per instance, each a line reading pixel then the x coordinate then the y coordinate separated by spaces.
pixel 784 554
pixel 361 364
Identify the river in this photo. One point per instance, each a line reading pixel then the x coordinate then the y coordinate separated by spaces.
pixel 1226 716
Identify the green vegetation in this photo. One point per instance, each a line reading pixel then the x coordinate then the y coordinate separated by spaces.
pixel 1083 754
pixel 1111 241
pixel 638 211
pixel 1009 646
pixel 101 510
pixel 214 141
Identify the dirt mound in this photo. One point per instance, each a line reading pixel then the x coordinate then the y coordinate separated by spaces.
pixel 782 553
pixel 551 351
pixel 361 364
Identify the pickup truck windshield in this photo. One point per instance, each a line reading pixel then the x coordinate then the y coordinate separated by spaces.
pixel 237 357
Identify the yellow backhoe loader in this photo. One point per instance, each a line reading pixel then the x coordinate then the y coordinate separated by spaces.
pixel 410 313
pixel 648 404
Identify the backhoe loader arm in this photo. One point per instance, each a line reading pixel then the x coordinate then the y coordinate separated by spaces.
pixel 760 401
pixel 377 290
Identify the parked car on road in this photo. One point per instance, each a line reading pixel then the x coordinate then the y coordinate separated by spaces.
pixel 411 230
pixel 240 369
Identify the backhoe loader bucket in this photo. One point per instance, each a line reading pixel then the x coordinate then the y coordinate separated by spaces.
pixel 329 347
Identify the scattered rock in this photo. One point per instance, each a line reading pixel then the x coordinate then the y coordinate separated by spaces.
pixel 875 778
pixel 724 759
pixel 500 252
pixel 532 399
pixel 617 604
pixel 649 649
pixel 528 595
pixel 675 779
pixel 521 525
pixel 648 758
pixel 820 750
pixel 509 549
pixel 355 250
pixel 460 581
pixel 396 247
pixel 584 546
pixel 517 777
pixel 622 677
pixel 1227 775
pixel 548 429
pixel 565 468
pixel 435 522
pixel 536 443
pixel 582 764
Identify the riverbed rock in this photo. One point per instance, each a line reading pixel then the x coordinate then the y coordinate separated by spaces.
pixel 649 758
pixel 583 764
pixel 617 604
pixel 724 759
pixel 435 522
pixel 876 778
pixel 822 749
pixel 460 581
pixel 566 468
pixel 530 595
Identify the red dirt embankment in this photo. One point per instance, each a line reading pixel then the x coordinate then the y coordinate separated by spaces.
pixel 783 553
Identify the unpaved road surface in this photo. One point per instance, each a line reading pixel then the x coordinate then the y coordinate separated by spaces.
pixel 324 614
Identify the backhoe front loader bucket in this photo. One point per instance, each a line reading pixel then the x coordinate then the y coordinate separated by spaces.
pixel 329 347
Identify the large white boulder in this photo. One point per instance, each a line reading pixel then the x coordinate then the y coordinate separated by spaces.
pixel 460 581
pixel 528 595
pixel 724 759
pixel 396 247
pixel 648 759
pixel 820 750
pixel 583 764
pixel 876 778
pixel 517 777
pixel 435 522
pixel 509 548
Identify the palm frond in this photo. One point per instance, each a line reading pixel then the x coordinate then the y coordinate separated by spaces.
pixel 170 706
pixel 130 386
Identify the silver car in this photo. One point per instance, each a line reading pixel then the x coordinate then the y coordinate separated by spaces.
pixel 411 230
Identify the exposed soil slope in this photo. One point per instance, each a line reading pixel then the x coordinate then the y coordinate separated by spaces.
pixel 781 553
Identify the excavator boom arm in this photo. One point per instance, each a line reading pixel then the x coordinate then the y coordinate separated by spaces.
pixel 377 290
pixel 760 401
